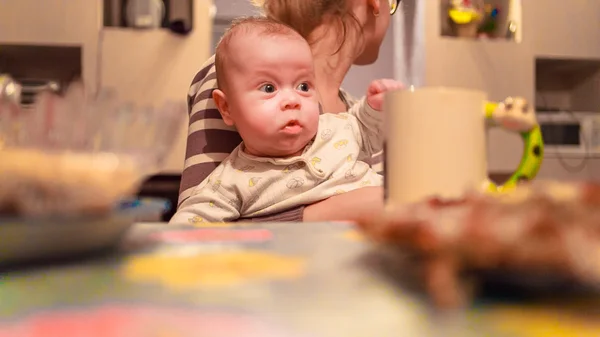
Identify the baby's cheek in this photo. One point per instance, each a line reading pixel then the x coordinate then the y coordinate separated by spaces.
pixel 313 118
pixel 312 112
pixel 314 122
pixel 264 128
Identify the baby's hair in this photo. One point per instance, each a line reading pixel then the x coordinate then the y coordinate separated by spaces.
pixel 259 25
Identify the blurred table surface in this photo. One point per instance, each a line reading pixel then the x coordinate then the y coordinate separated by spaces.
pixel 294 279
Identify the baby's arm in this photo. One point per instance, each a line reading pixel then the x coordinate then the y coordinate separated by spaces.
pixel 370 127
pixel 369 113
pixel 209 203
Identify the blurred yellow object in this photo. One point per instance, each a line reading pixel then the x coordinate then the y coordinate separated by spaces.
pixel 539 321
pixel 212 270
pixel 462 17
pixel 354 235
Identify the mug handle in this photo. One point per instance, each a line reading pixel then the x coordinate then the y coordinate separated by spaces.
pixel 516 115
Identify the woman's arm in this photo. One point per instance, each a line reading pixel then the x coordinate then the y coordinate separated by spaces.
pixel 362 204
pixel 358 205
pixel 209 140
pixel 291 215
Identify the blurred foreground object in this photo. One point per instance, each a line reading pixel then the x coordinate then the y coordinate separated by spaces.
pixel 545 229
pixel 10 90
pixel 78 154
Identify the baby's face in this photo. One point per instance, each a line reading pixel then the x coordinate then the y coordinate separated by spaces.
pixel 271 95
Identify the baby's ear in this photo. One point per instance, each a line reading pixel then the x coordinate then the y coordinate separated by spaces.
pixel 221 103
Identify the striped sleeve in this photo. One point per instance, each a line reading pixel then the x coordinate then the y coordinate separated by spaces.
pixel 210 140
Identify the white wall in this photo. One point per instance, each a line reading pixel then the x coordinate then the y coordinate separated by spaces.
pixel 409 43
pixel 233 8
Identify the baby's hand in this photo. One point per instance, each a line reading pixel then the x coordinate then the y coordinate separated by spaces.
pixel 378 88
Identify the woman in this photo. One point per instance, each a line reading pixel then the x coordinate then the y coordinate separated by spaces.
pixel 341 33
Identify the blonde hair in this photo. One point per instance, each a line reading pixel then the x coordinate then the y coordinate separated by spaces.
pixel 246 25
pixel 305 16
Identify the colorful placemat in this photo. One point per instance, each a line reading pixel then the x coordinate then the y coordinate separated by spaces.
pixel 214 270
pixel 213 235
pixel 139 320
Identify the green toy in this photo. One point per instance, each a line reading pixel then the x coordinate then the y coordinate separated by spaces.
pixel 514 114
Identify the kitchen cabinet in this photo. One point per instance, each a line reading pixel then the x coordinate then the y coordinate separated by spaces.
pixel 146 67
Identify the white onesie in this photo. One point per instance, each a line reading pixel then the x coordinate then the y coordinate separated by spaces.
pixel 333 162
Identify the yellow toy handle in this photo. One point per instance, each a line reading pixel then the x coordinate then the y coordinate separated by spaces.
pixel 515 115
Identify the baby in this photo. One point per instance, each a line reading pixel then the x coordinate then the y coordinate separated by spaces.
pixel 291 154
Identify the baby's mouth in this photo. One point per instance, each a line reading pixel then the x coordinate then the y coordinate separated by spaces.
pixel 292 126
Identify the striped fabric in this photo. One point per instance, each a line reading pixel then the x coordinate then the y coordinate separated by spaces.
pixel 210 140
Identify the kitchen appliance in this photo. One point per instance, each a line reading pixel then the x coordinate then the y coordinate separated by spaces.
pixel 570 134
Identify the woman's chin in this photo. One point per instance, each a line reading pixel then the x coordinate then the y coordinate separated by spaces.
pixel 367 58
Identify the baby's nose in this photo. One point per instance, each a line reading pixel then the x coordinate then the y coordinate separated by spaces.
pixel 291 105
pixel 290 102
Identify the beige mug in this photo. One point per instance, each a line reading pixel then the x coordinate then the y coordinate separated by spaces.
pixel 436 142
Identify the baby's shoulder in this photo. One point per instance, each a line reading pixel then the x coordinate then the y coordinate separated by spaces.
pixel 338 128
pixel 225 168
pixel 338 123
pixel 226 176
pixel 336 118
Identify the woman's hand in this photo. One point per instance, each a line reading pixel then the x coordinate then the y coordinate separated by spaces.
pixel 357 205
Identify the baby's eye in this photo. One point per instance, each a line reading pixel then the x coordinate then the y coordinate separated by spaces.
pixel 268 88
pixel 303 87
